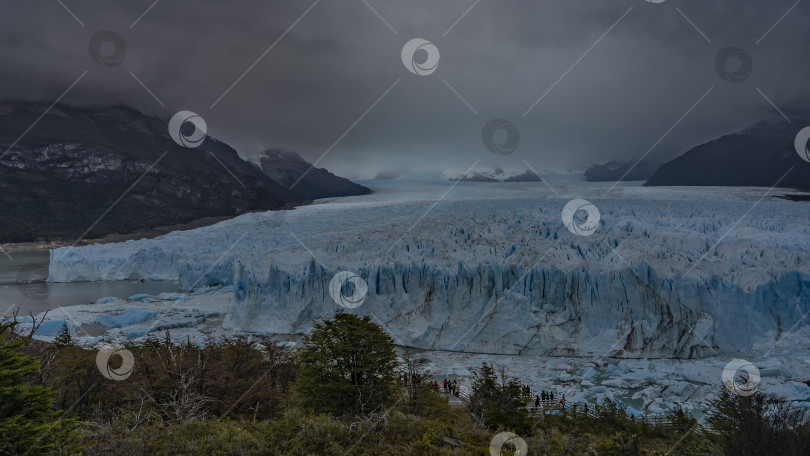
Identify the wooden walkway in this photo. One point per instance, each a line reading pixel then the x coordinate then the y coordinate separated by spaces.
pixel 459 401
pixel 567 409
pixel 575 410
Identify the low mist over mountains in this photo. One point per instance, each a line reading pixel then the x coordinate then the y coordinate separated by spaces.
pixel 59 179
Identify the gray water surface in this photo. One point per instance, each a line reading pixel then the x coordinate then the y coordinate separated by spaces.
pixel 23 286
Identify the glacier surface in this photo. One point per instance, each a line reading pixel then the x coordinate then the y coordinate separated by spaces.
pixel 490 268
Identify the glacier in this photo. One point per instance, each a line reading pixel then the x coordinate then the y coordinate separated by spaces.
pixel 490 267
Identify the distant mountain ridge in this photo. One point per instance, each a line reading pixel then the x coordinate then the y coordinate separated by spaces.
pixel 60 178
pixel 615 170
pixel 495 175
pixel 290 170
pixel 758 156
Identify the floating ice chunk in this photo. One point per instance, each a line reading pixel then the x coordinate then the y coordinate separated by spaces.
pixel 106 300
pixel 129 317
pixel 19 320
pixel 589 372
pixel 681 389
pixel 615 382
pixel 656 407
pixel 173 296
pixel 140 297
pixel 133 333
pixel 52 328
pixel 617 369
pixel 23 328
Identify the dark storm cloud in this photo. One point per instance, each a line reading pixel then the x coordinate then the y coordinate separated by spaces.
pixel 501 57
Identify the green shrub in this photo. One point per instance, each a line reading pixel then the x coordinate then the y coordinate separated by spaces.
pixel 347 367
pixel 28 421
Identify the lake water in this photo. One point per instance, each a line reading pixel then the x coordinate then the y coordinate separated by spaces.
pixel 23 286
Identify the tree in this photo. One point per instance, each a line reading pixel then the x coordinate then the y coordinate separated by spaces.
pixel 27 417
pixel 418 395
pixel 347 367
pixel 759 424
pixel 499 406
pixel 63 337
pixel 414 374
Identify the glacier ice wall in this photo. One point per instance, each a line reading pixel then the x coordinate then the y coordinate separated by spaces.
pixel 542 310
pixel 669 273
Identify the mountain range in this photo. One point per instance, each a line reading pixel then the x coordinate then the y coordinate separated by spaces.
pixel 626 170
pixel 762 155
pixel 287 168
pixel 495 175
pixel 67 172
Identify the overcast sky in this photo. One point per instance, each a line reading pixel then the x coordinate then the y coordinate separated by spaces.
pixel 618 96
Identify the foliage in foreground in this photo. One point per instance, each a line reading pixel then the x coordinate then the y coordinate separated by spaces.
pixel 296 433
pixel 759 424
pixel 348 366
pixel 28 423
pixel 237 397
pixel 499 406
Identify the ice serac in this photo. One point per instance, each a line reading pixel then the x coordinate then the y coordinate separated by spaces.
pixel 543 310
pixel 492 269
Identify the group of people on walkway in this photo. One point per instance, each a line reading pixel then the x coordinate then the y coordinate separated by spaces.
pixel 527 391
pixel 449 387
pixel 545 397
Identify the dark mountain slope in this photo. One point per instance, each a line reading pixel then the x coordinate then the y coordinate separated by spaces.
pixel 757 156
pixel 614 170
pixel 286 167
pixel 62 176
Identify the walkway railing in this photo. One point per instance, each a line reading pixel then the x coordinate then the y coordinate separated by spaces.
pixel 567 408
pixel 462 399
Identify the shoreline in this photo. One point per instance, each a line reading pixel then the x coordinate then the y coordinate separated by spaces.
pixel 151 233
